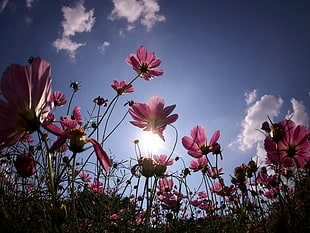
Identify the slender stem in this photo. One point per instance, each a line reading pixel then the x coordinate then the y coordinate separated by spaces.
pixel 73 206
pixel 175 142
pixel 70 101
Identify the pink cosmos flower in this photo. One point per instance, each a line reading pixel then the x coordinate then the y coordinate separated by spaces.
pixel 163 159
pixel 76 135
pixel 165 185
pixel 122 87
pixel 144 62
pixel 85 177
pixel 25 165
pixel 197 144
pixel 222 190
pixel 292 149
pixel 170 200
pixel 114 217
pixel 199 164
pixel 58 99
pixel 76 115
pixel 96 186
pixel 214 173
pixel 27 93
pixel 153 116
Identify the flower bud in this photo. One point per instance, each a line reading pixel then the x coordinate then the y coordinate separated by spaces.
pixel 25 165
pixel 77 140
pixel 276 132
pixel 147 167
pixel 160 169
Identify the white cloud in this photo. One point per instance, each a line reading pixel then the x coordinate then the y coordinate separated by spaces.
pixel 29 3
pixel 76 20
pixel 65 43
pixel 269 106
pixel 299 114
pixel 260 157
pixel 134 10
pixel 131 10
pixel 150 17
pixel 250 97
pixel 104 46
pixel 3 5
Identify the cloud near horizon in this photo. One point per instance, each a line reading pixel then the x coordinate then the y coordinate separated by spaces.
pixel 256 114
pixel 76 20
pixel 145 12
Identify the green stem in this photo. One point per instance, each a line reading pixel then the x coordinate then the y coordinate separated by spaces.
pixel 74 222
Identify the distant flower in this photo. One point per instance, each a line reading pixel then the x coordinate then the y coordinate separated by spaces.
pixel 28 138
pixel 85 177
pixel 114 217
pixel 25 165
pixel 96 186
pixel 292 149
pixel 200 164
pixel 165 185
pixel 100 101
pixel 76 115
pixel 222 190
pixel 58 99
pixel 144 62
pixel 214 172
pixel 197 144
pixel 122 87
pixel 153 116
pixel 202 195
pixel 27 93
pixel 75 86
pixel 163 159
pixel 170 200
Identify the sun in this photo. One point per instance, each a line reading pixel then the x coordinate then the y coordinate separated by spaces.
pixel 151 142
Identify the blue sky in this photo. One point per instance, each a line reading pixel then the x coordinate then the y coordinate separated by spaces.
pixel 228 64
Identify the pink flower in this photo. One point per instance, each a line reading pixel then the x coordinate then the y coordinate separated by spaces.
pixel 85 177
pixel 222 190
pixel 144 63
pixel 199 164
pixel 25 165
pixel 214 173
pixel 96 186
pixel 76 115
pixel 122 87
pixel 114 217
pixel 76 136
pixel 153 116
pixel 292 148
pixel 27 92
pixel 58 99
pixel 165 185
pixel 163 159
pixel 202 195
pixel 197 144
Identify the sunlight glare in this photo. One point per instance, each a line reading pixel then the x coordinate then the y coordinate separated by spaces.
pixel 151 142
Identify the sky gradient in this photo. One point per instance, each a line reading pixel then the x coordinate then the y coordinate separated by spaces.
pixel 228 64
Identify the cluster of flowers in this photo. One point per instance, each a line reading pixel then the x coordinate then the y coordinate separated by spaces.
pixel 28 106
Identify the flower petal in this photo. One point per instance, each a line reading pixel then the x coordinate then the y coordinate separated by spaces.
pixel 101 155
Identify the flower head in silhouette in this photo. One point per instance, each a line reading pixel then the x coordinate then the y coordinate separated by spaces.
pixel 27 96
pixel 144 63
pixel 153 116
